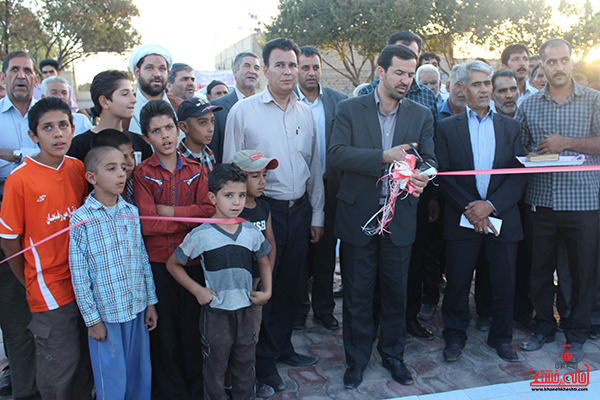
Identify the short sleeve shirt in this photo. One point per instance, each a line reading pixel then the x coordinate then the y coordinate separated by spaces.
pixel 38 202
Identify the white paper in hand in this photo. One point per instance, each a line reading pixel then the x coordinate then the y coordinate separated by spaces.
pixel 497 222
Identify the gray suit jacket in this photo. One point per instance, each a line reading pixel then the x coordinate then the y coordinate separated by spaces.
pixel 216 144
pixel 355 148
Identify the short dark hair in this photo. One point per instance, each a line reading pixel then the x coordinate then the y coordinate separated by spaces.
pixel 551 43
pixel 588 70
pixel 309 51
pixel 510 50
pixel 105 84
pixel 176 68
pixel 428 56
pixel 504 72
pixel 395 50
pixel 224 173
pixel 46 105
pixel 281 44
pixel 237 61
pixel 535 71
pixel 153 109
pixel 17 54
pixel 51 62
pixel 110 137
pixel 534 57
pixel 405 38
pixel 94 156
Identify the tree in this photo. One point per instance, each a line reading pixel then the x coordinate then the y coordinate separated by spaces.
pixel 585 34
pixel 81 27
pixel 20 29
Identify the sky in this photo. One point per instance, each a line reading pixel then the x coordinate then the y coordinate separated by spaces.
pixel 194 32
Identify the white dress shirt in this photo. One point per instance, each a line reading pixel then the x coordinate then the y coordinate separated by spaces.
pixel 318 110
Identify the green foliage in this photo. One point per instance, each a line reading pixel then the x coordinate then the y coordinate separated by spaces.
pixel 69 30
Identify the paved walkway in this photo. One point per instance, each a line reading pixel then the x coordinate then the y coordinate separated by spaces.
pixel 480 374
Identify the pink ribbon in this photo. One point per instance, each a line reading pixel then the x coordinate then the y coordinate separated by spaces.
pixel 173 219
pixel 533 170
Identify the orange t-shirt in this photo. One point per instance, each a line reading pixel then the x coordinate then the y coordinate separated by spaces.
pixel 38 201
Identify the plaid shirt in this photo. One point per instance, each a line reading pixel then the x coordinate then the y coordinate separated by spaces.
pixel 418 93
pixel 110 270
pixel 206 159
pixel 578 116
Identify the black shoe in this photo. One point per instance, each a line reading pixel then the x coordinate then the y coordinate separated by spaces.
pixel 263 391
pixel 300 321
pixel 352 378
pixel 526 320
pixel 576 353
pixel 300 360
pixel 595 332
pixel 483 324
pixel 328 321
pixel 505 351
pixel 5 383
pixel 535 342
pixel 453 352
pixel 339 292
pixel 274 381
pixel 416 329
pixel 400 373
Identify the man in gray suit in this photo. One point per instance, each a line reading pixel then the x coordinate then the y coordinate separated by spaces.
pixel 246 68
pixel 369 133
pixel 321 255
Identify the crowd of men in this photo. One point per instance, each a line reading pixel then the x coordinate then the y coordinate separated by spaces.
pixel 514 230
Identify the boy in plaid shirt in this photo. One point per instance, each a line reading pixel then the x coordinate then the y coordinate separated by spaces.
pixel 112 280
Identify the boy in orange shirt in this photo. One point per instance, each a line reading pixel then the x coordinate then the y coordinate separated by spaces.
pixel 39 197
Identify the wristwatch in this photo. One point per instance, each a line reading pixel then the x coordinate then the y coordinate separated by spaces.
pixel 18 156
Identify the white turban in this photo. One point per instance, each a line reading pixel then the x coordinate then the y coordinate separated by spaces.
pixel 146 49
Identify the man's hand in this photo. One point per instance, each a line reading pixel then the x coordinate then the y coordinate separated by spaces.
pixel 553 144
pixel 165 211
pixel 97 332
pixel 395 153
pixel 419 181
pixel 483 225
pixel 259 298
pixel 151 318
pixel 434 210
pixel 315 233
pixel 204 295
pixel 478 210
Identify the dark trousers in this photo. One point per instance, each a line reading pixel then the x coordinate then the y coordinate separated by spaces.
pixel 64 369
pixel 379 260
pixel 18 340
pixel 175 343
pixel 228 341
pixel 596 304
pixel 291 228
pixel 321 267
pixel 462 256
pixel 483 286
pixel 433 261
pixel 523 307
pixel 579 230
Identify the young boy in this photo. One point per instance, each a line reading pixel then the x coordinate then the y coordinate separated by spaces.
pixel 113 281
pixel 170 185
pixel 39 197
pixel 116 139
pixel 227 252
pixel 197 121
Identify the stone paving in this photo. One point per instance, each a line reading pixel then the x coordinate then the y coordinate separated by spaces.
pixel 479 366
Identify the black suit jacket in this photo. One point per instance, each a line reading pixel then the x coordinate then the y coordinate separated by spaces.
pixel 216 144
pixel 454 153
pixel 355 148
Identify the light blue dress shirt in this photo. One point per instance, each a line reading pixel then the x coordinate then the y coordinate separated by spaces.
pixel 483 144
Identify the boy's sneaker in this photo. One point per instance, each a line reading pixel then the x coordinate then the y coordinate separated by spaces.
pixel 262 390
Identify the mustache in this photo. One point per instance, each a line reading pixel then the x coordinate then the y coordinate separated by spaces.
pixel 559 74
pixel 402 85
pixel 521 69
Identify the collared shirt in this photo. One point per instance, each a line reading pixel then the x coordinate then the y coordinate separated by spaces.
pixel 483 145
pixel 417 93
pixel 111 274
pixel 290 135
pixel 577 117
pixel 239 94
pixel 134 125
pixel 387 123
pixel 206 158
pixel 318 110
pixel 529 90
pixel 444 110
pixel 14 136
pixel 185 189
pixel 441 98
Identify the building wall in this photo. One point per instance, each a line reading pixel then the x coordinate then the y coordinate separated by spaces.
pixel 224 60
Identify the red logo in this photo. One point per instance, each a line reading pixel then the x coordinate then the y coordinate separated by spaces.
pixel 551 378
pixel 256 156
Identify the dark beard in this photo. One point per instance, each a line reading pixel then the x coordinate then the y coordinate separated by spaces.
pixel 150 90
